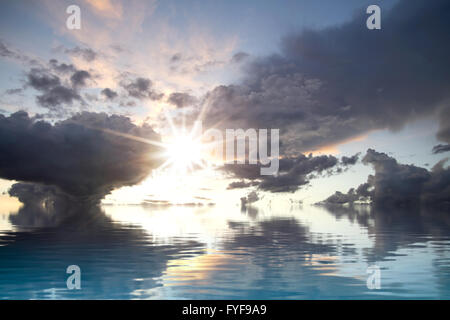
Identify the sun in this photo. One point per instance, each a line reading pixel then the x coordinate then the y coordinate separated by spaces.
pixel 183 153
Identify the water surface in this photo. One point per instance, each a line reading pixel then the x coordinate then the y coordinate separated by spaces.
pixel 138 252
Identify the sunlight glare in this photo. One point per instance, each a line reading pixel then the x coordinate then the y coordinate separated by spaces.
pixel 183 152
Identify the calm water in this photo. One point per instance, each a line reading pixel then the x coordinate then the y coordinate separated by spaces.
pixel 135 252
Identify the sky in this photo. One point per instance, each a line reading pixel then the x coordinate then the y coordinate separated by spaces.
pixel 97 113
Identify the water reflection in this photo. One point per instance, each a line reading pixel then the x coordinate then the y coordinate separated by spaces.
pixel 251 252
pixel 115 259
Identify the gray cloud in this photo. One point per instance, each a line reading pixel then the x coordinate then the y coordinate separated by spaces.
pixel 141 88
pixel 40 80
pixel 294 172
pixel 329 85
pixel 5 51
pixel 181 99
pixel 440 148
pixel 241 184
pixel 175 58
pixel 86 53
pixel 14 91
pixel 395 184
pixel 56 96
pixel 79 78
pixel 53 91
pixel 76 156
pixel 109 94
pixel 62 67
pixel 350 160
pixel 239 57
pixel 444 125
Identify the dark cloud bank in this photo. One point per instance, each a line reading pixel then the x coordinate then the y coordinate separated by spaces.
pixel 293 173
pixel 399 185
pixel 73 160
pixel 329 85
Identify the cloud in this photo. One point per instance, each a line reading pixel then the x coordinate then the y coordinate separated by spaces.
pixel 5 51
pixel 56 96
pixel 87 54
pixel 141 88
pixel 41 80
pixel 239 57
pixel 58 84
pixel 336 83
pixel 14 91
pixel 444 125
pixel 175 58
pixel 294 172
pixel 43 205
pixel 181 99
pixel 61 67
pixel 241 184
pixel 350 160
pixel 53 91
pixel 395 184
pixel 109 94
pixel 107 8
pixel 440 148
pixel 79 78
pixel 249 199
pixel 76 156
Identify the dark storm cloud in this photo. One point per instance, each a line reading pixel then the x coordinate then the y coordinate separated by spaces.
pixel 181 99
pixel 440 148
pixel 294 172
pixel 141 88
pixel 336 83
pixel 109 94
pixel 395 184
pixel 76 156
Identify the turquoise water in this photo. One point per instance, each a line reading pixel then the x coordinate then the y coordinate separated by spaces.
pixel 136 252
